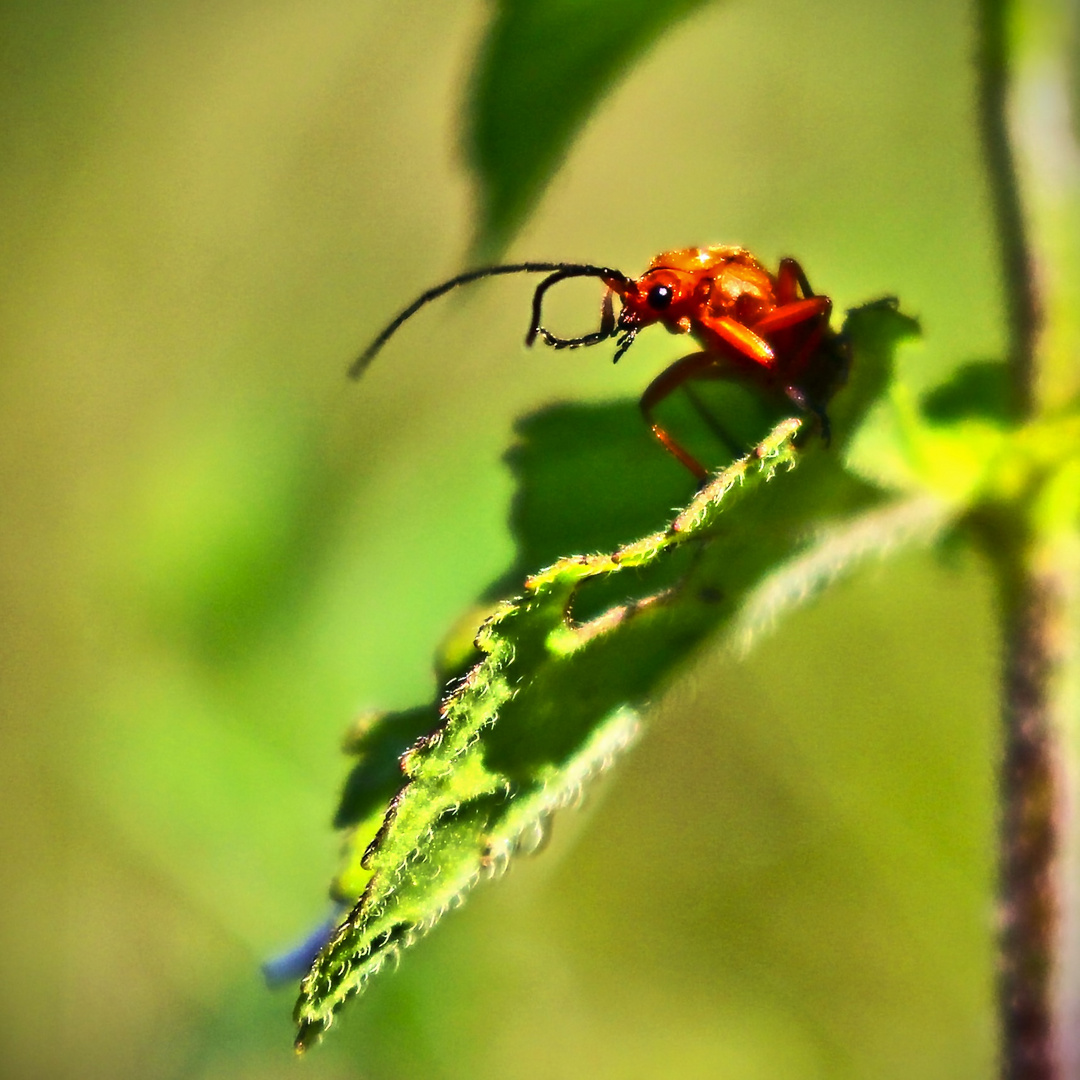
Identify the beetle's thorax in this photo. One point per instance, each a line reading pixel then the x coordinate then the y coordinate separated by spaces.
pixel 691 282
pixel 743 292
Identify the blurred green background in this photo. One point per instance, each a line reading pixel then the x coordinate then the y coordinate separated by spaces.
pixel 214 550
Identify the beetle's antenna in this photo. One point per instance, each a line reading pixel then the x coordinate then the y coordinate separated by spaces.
pixel 558 272
pixel 607 316
pixel 607 328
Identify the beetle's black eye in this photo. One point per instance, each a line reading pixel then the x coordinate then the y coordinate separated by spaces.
pixel 660 297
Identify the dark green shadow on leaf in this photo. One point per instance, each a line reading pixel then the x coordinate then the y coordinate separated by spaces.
pixel 378 743
pixel 979 390
pixel 543 67
pixel 590 477
pixel 872 333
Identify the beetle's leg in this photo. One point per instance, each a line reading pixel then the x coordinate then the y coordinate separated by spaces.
pixel 815 409
pixel 798 311
pixel 790 311
pixel 790 279
pixel 811 317
pixel 807 350
pixel 747 341
pixel 696 365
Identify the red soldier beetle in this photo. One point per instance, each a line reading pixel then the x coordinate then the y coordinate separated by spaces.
pixel 768 330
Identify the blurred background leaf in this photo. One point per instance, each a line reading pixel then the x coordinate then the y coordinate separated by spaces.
pixel 543 67
pixel 208 211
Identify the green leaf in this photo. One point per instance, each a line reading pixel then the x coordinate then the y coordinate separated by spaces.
pixel 560 674
pixel 978 389
pixel 544 66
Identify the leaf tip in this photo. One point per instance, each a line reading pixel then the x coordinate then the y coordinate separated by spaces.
pixel 308 1034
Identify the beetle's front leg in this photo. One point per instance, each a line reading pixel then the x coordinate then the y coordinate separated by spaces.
pixel 700 365
pixel 741 338
pixel 790 281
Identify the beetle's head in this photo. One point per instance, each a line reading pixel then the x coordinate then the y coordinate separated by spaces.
pixel 660 295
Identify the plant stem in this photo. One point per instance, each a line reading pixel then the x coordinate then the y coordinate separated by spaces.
pixel 1030 789
pixel 1033 598
pixel 1017 269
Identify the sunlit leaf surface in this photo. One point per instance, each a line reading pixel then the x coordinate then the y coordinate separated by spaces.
pixel 553 694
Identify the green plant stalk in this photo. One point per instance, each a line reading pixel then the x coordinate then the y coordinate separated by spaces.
pixel 1019 297
pixel 1034 589
pixel 1031 791
pixel 1066 556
